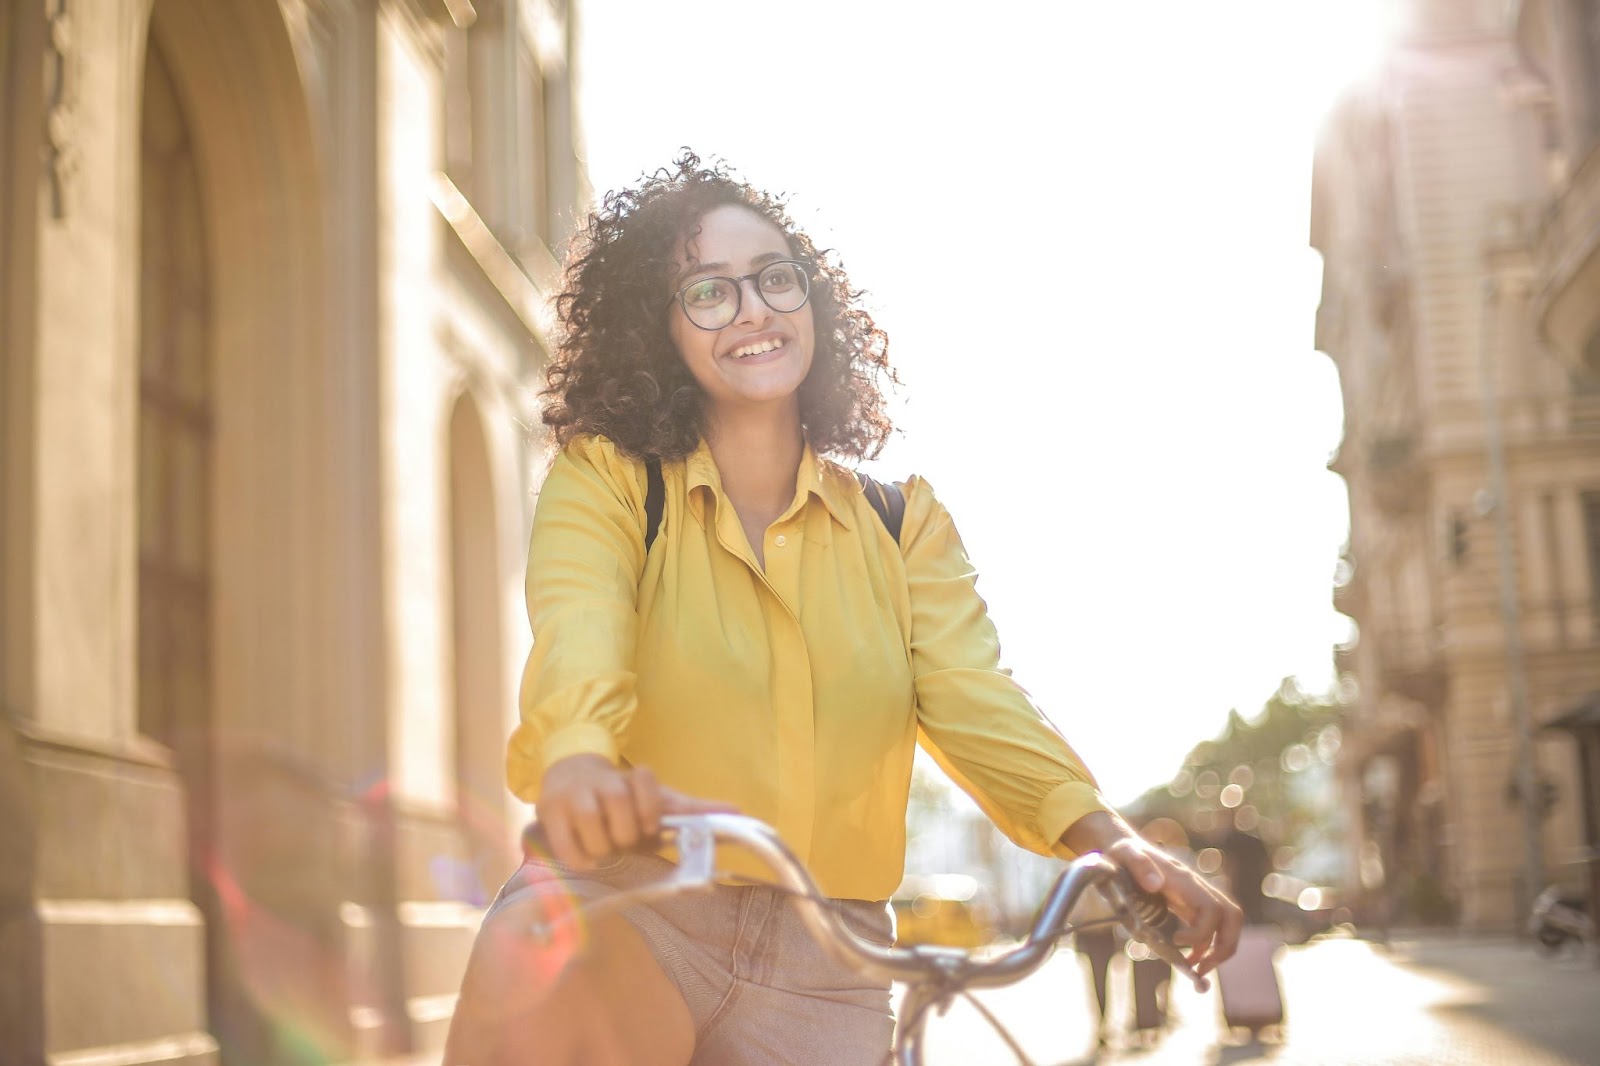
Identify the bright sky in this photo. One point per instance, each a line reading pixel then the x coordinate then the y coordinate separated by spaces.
pixel 1084 228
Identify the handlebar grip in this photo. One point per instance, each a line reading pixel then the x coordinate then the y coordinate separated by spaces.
pixel 1149 907
pixel 536 844
pixel 1154 925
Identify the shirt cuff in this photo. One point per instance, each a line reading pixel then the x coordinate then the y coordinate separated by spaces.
pixel 580 738
pixel 1062 808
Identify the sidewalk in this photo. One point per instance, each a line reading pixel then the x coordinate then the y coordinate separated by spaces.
pixel 1507 999
pixel 1421 1000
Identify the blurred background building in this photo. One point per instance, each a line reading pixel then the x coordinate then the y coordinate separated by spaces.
pixel 271 285
pixel 1456 204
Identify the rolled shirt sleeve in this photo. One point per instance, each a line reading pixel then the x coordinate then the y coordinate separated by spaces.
pixel 974 719
pixel 579 687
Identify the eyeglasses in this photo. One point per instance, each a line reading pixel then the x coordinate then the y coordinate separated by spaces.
pixel 712 303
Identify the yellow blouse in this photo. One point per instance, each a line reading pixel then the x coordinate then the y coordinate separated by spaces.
pixel 795 693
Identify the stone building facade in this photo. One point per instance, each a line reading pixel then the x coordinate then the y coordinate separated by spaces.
pixel 1456 204
pixel 273 280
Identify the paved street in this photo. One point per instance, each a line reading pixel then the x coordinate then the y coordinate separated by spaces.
pixel 1422 1000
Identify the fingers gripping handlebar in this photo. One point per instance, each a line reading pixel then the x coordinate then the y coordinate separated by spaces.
pixel 696 837
pixel 1148 920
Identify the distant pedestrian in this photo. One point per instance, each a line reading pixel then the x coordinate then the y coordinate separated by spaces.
pixel 1152 975
pixel 1098 946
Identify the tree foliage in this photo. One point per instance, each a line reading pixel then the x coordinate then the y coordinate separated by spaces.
pixel 1269 776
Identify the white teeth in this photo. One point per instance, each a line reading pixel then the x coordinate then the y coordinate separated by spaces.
pixel 755 349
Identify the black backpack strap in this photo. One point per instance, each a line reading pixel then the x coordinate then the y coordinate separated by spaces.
pixel 887 500
pixel 655 499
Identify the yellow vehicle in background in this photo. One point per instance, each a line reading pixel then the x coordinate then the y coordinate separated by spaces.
pixel 944 909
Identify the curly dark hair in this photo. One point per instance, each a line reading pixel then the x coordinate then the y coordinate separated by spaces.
pixel 616 372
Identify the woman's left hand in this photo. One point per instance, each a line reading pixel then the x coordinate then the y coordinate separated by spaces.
pixel 1211 920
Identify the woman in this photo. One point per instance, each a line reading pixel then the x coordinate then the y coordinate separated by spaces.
pixel 773 651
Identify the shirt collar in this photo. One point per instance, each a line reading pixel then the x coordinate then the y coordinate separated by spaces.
pixel 830 484
pixel 816 476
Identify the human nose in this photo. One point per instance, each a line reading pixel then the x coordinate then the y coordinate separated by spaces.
pixel 753 310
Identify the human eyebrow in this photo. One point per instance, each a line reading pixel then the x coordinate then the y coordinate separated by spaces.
pixel 703 270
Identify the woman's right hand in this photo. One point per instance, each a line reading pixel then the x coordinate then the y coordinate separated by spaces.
pixel 590 808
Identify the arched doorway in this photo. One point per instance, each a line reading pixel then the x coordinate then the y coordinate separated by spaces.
pixel 479 697
pixel 230 430
pixel 175 423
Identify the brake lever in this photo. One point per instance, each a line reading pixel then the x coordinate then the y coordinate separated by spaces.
pixel 1148 919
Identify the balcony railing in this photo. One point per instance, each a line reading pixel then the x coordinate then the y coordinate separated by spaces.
pixel 1410 661
pixel 1536 418
pixel 1560 416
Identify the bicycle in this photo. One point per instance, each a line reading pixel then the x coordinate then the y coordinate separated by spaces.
pixel 934 976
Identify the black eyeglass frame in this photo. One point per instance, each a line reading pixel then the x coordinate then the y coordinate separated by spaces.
pixel 738 292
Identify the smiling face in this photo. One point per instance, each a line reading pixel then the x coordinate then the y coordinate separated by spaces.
pixel 760 358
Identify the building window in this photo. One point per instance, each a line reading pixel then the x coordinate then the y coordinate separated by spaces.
pixel 1457 538
pixel 533 222
pixel 1591 541
pixel 174 460
pixel 479 724
pixel 457 126
pixel 1590 13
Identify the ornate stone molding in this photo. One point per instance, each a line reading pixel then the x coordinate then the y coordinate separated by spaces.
pixel 62 71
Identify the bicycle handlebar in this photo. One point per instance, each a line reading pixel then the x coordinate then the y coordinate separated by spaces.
pixel 1145 916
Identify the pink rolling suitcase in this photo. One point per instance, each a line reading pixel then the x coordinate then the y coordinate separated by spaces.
pixel 1248 982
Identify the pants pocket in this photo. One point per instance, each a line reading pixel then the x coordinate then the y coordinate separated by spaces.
pixel 870 921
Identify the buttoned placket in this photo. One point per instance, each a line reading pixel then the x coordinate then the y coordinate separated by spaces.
pixel 793 699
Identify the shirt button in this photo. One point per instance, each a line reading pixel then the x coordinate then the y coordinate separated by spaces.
pixel 780 540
